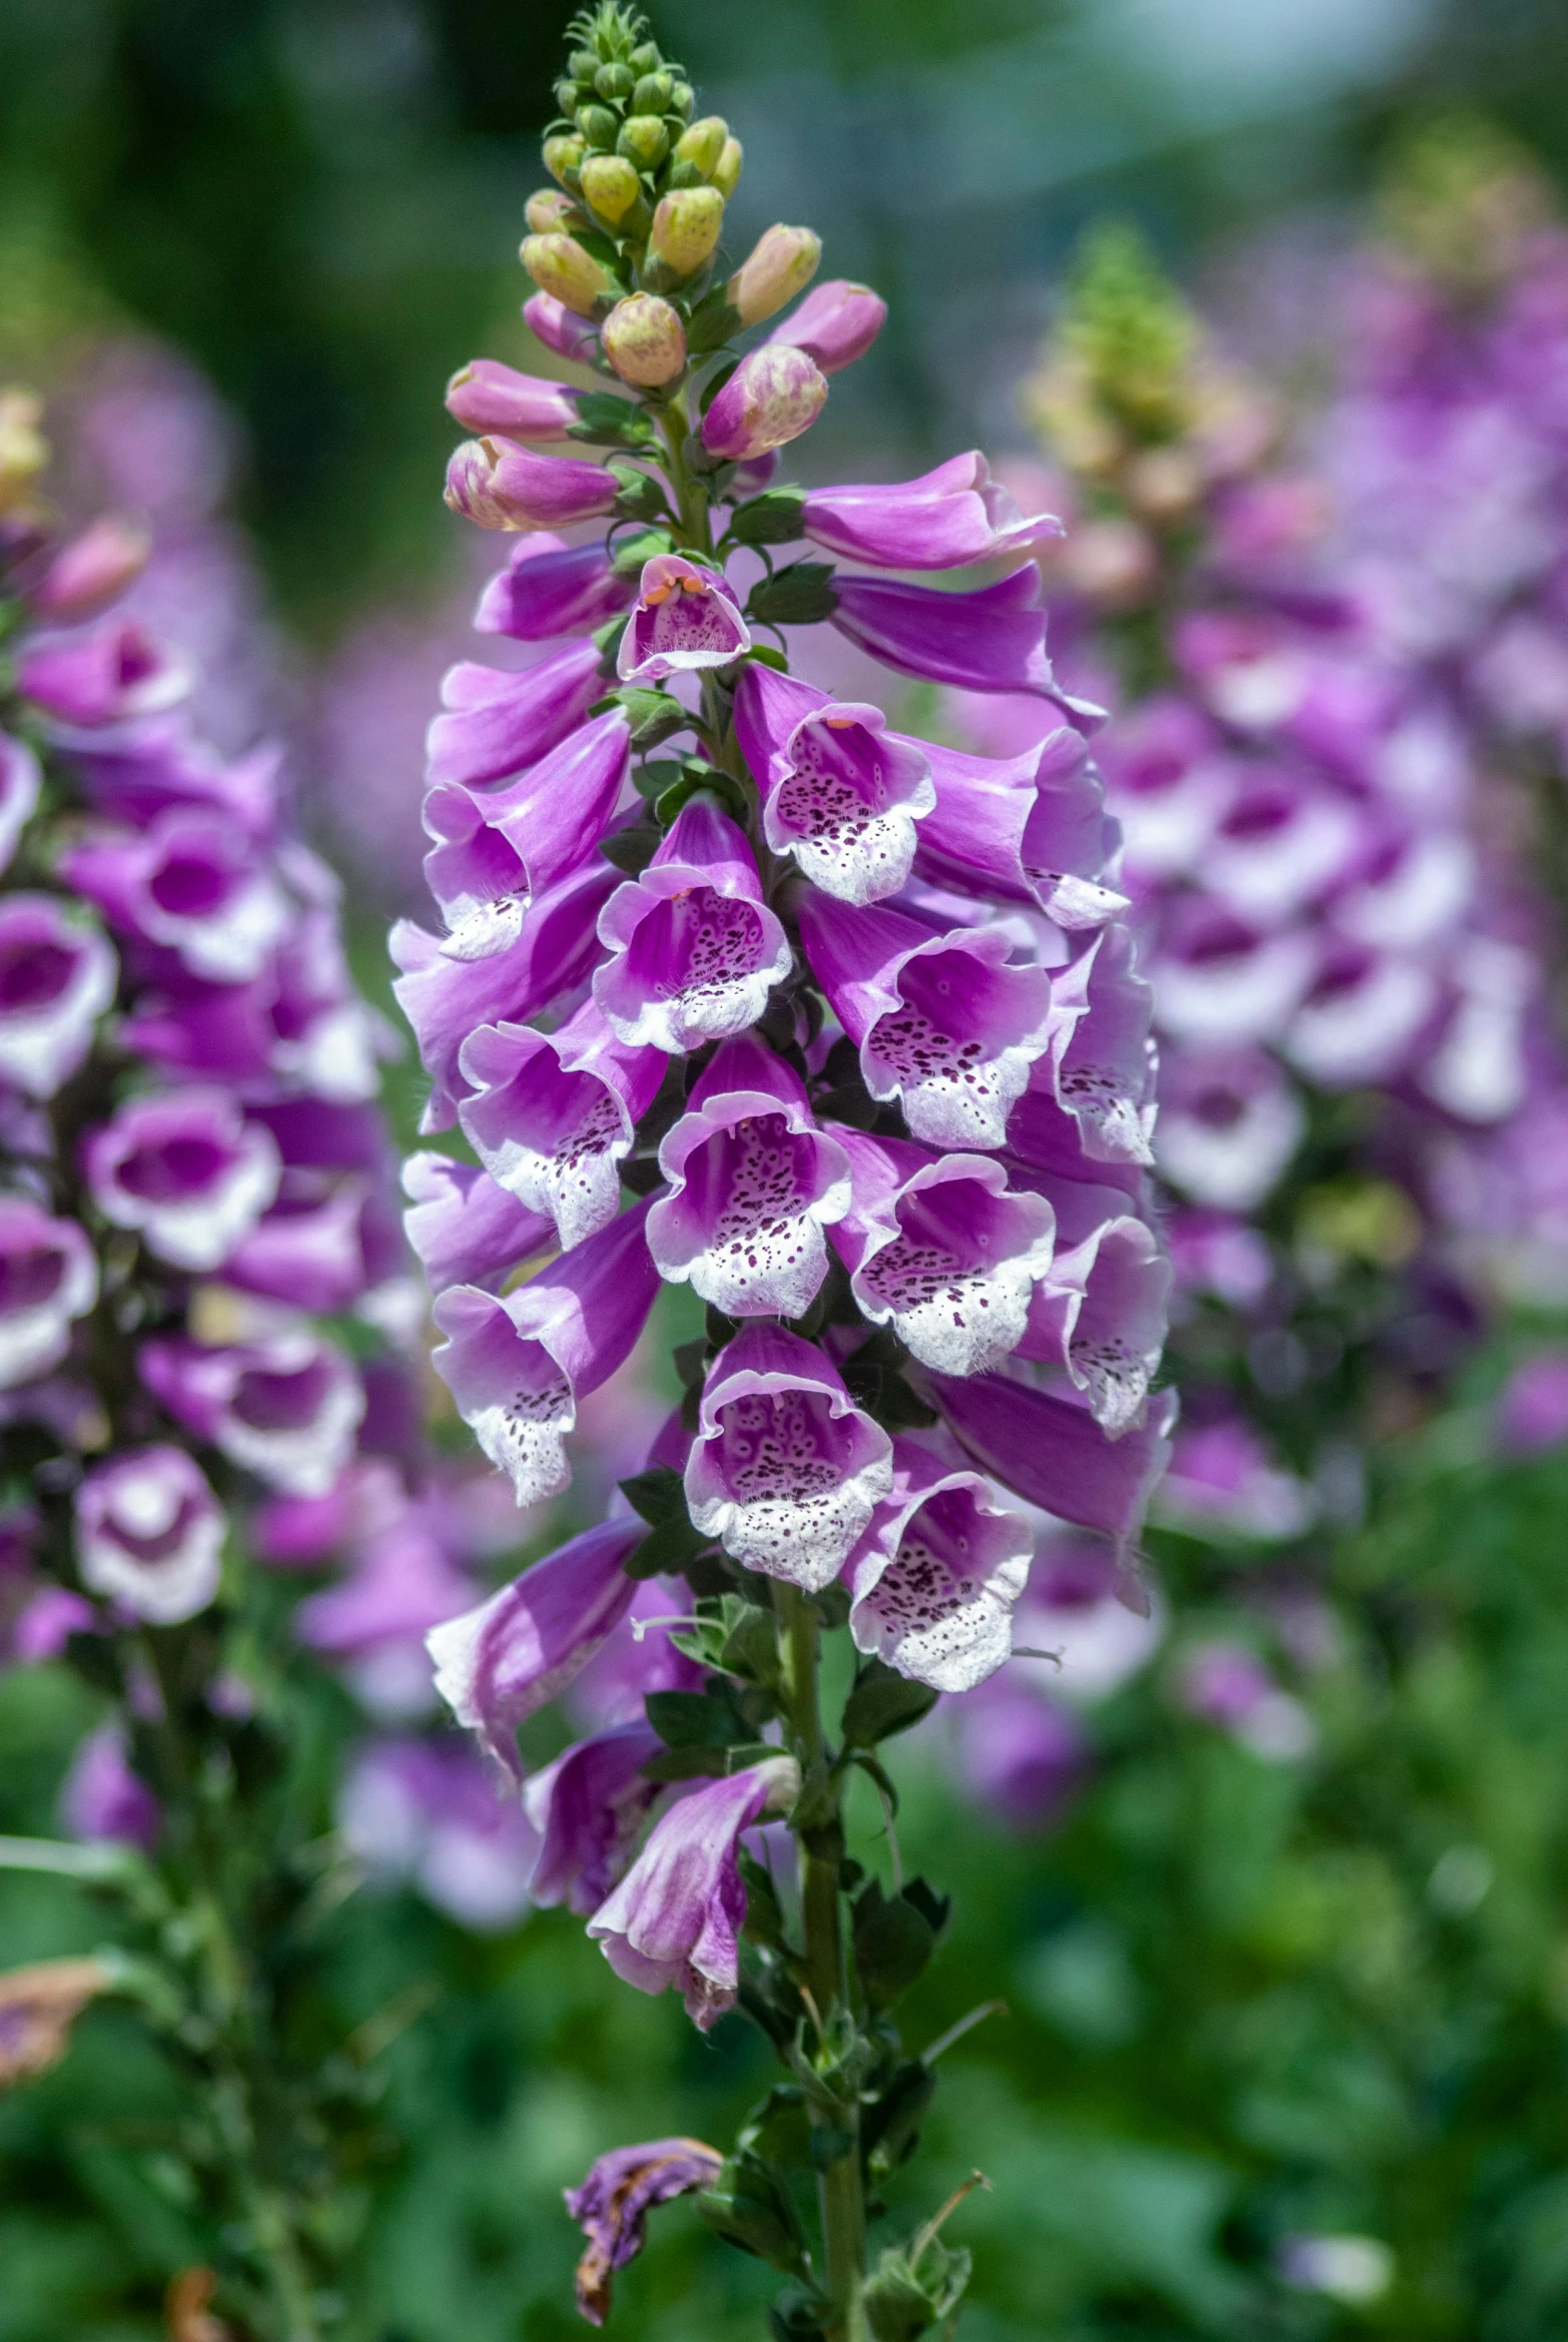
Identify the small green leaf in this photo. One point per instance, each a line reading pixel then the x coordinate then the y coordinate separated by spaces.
pixel 883 1702
pixel 604 420
pixel 711 322
pixel 690 1719
pixel 749 2207
pixel 893 1942
pixel 801 595
pixel 641 498
pixel 776 517
pixel 631 850
pixel 766 656
pixel 903 2302
pixel 889 2123
pixel 633 553
pixel 714 384
pixel 653 717
pixel 657 1496
pixel 764 1923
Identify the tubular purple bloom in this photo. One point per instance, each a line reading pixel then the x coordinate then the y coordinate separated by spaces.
pixel 1230 1123
pixel 840 792
pixel 1028 829
pixel 936 1573
pixel 485 395
pixel 991 639
pixel 943 1023
pixel 498 485
pixel 189 881
pixel 772 396
pixel 149 1534
pixel 1054 1454
pixel 753 1184
pixel 20 781
pixel 48 1278
pixel 549 589
pixel 495 1665
pixel 693 949
pixel 309 1255
pixel 942 520
pixel 187 1171
pixel 498 724
pixel 675 1916
pixel 103 1801
pixel 835 324
pixel 286 1408
pixel 552 1115
pixel 428 1812
pixel 463 1227
pixel 560 327
pixel 613 2204
pixel 1102 1311
pixel 785 1470
pixel 587 1809
pixel 683 619
pixel 517 1367
pixel 1101 1061
pixel 108 676
pixel 57 976
pixel 943 1251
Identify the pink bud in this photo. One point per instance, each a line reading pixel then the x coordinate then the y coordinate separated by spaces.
pixel 485 395
pixel 559 328
pixel 93 570
pixel 500 485
pixel 771 398
pixel 835 324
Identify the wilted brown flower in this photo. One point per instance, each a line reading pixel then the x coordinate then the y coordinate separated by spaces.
pixel 38 2008
pixel 185 2308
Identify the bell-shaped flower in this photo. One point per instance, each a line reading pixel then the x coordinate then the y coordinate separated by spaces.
pixel 493 481
pixel 776 392
pixel 463 1228
pixel 835 324
pixel 1102 1311
pixel 496 724
pixel 683 619
pixel 102 1801
pixel 308 1251
pixel 286 1408
pixel 1171 780
pixel 57 976
pixel 485 395
pixel 371 1622
pixel 1027 829
pixel 549 589
pixel 1052 1453
pixel 589 1808
pixel 186 1170
pixel 21 777
pixel 107 676
pixel 497 850
pixel 947 518
pixel 1362 1015
pixel 752 1185
pixel 675 1917
pixel 936 1573
pixel 190 882
pixel 990 640
pixel 693 949
pixel 497 1663
pixel 785 1470
pixel 1478 1066
pixel 841 794
pixel 943 1251
pixel 518 1366
pixel 48 1278
pixel 1223 980
pixel 149 1534
pixel 613 2204
pixel 551 1115
pixel 943 1023
pixel 1101 1067
pixel 427 1812
pixel 1282 841
pixel 131 778
pixel 1230 1123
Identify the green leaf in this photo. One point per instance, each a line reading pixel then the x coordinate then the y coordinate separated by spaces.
pixel 890 2124
pixel 633 553
pixel 901 2303
pixel 604 420
pixel 711 1759
pixel 801 595
pixel 653 717
pixel 776 517
pixel 641 498
pixel 657 1496
pixel 711 322
pixel 798 2315
pixel 883 1702
pixel 894 1939
pixel 631 850
pixel 766 656
pixel 764 1923
pixel 689 1720
pixel 748 2206
pixel 751 1644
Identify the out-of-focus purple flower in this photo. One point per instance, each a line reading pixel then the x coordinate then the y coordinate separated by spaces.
pixel 485 395
pixel 57 976
pixel 942 520
pixel 1019 1756
pixel 937 1572
pixel 1230 1123
pixel 373 1622
pixel 186 1170
pixel 46 1622
pixel 1072 1610
pixel 613 2204
pixel 587 1809
pixel 286 1408
pixel 498 724
pixel 1532 1407
pixel 841 794
pixel 1213 1254
pixel 103 677
pixel 149 1534
pixel 549 589
pixel 20 781
pixel 463 1227
pixel 495 1665
pixel 48 1278
pixel 500 485
pixel 91 569
pixel 683 620
pixel 676 1916
pixel 102 1800
pixel 190 882
pixel 775 393
pixel 1221 1477
pixel 1226 1684
pixel 428 1812
pixel 835 324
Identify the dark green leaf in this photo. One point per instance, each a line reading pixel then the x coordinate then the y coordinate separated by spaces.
pixel 776 517
pixel 714 384
pixel 689 1720
pixel 709 1758
pixel 653 717
pixel 631 850
pixel 902 2302
pixel 829 2145
pixel 883 1702
pixel 604 420
pixel 641 498
pixel 801 595
pixel 711 322
pixel 893 1942
pixel 630 556
pixel 748 2206
pixel 764 1915
pixel 657 1496
pixel 890 2124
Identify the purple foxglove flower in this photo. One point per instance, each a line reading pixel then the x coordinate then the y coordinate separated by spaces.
pixel 1223 980
pixel 498 485
pixel 191 883
pixel 1019 1756
pixel 785 1470
pixel 48 1277
pixel 835 324
pixel 1029 829
pixel 1533 1406
pixel 1102 1313
pixel 613 1686
pixel 613 2204
pixel 560 327
pixel 57 976
pixel 463 1228
pixel 1224 1480
pixel 936 1573
pixel 943 1023
pixel 675 1916
pixel 942 520
pixel 373 1622
pixel 774 395
pixel 445 999
pixel 93 570
pixel 306 1251
pixel 1101 1063
pixel 694 950
pixel 485 395
pixel 840 792
pixel 186 1170
pixel 45 1624
pixel 419 1810
pixel 552 1115
pixel 1053 1453
pixel 149 1534
pixel 549 589
pixel 1230 1123
pixel 942 1249
pixel 587 1809
pixel 104 677
pixel 1361 1017
pixel 498 724
pixel 753 1184
pixel 991 639
pixel 284 1408
pixel 683 619
pixel 1171 781
pixel 1284 841
pixel 166 767
pixel 1226 1684
pixel 518 1366
pixel 20 781
pixel 495 1665
pixel 102 1802
pixel 497 850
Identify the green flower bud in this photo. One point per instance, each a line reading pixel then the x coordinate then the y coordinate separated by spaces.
pixel 563 156
pixel 558 264
pixel 549 209
pixel 726 171
pixel 644 341
pixel 681 175
pixel 643 140
pixel 687 228
pixel 582 65
pixel 568 97
pixel 647 59
pixel 615 81
pixel 682 101
pixel 599 126
pixel 610 184
pixel 781 263
pixel 652 94
pixel 703 142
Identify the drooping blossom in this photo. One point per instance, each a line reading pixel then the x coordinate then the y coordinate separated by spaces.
pixel 612 2205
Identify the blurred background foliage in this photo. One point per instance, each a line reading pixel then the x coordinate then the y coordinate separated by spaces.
pixel 1247 2000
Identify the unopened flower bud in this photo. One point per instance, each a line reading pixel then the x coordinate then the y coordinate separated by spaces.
pixel 647 57
pixel 498 485
pixel 599 126
pixel 92 569
pixel 835 324
pixel 687 228
pixel 24 451
pixel 771 398
pixel 703 142
pixel 781 263
pixel 644 341
pixel 610 185
pixel 652 93
pixel 682 100
pixel 485 395
pixel 560 327
pixel 726 171
pixel 615 81
pixel 563 156
pixel 549 210
pixel 582 65
pixel 568 97
pixel 643 140
pixel 559 265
